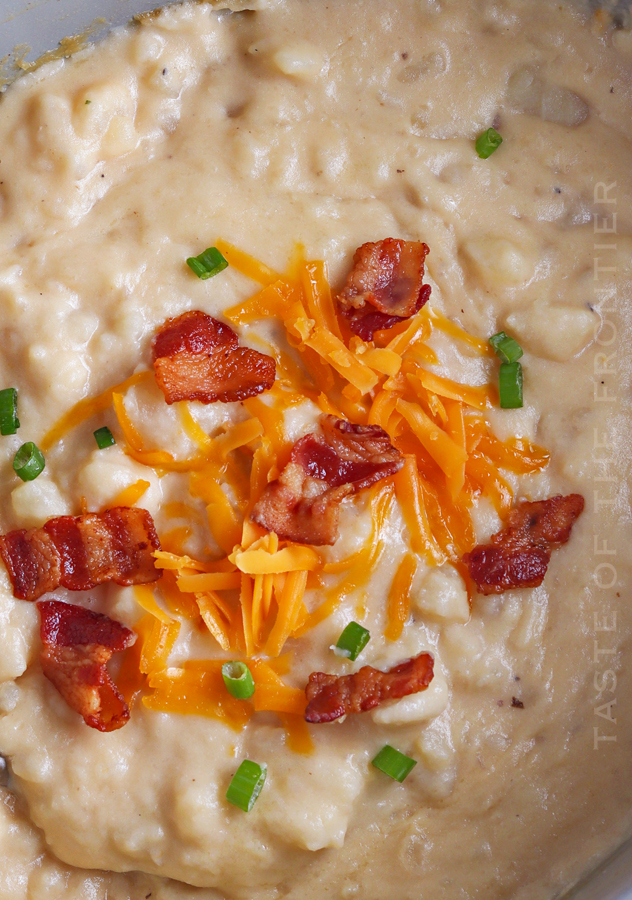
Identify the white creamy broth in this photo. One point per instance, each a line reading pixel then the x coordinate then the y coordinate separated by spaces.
pixel 330 125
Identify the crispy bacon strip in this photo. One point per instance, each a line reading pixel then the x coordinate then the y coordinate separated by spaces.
pixel 385 285
pixel 80 552
pixel 76 645
pixel 330 696
pixel 302 505
pixel 519 555
pixel 198 358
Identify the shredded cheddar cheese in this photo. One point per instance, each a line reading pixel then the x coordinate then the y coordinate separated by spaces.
pixel 85 409
pixel 385 362
pixel 289 602
pixel 145 598
pixel 209 581
pixel 246 264
pixel 257 596
pixel 444 451
pixel 294 558
pixel 318 296
pixel 273 301
pixel 398 606
pixel 131 494
pixel 333 351
pixel 454 330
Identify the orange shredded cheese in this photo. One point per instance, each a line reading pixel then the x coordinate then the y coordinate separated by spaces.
pixel 289 603
pixel 135 443
pixel 85 409
pixel 364 562
pixel 423 353
pixel 445 452
pixel 271 420
pixel 209 581
pixel 238 436
pixel 272 694
pixel 130 679
pixel 215 618
pixel 196 689
pixel 245 602
pixel 483 473
pixel 246 264
pixel 158 645
pixel 179 604
pixel 293 558
pixel 477 397
pixel 253 599
pixel 411 501
pixel 131 494
pixel 273 301
pixel 298 737
pixel 419 329
pixel 193 429
pixel 453 330
pixel 456 430
pixel 165 560
pixel 398 605
pixel 224 521
pixel 333 351
pixel 174 540
pixel 144 596
pixel 385 361
pixel 316 290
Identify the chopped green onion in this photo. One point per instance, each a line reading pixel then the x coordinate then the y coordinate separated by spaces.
pixel 487 142
pixel 238 680
pixel 9 422
pixel 352 641
pixel 393 763
pixel 507 350
pixel 28 462
pixel 246 785
pixel 207 264
pixel 510 385
pixel 104 437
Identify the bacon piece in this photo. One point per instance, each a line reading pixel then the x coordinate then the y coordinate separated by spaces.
pixel 385 285
pixel 302 505
pixel 330 696
pixel 198 358
pixel 76 645
pixel 80 552
pixel 519 555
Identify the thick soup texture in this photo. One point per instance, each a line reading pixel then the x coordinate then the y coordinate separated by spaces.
pixel 295 133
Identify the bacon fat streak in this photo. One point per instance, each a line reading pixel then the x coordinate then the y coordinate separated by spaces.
pixel 329 696
pixel 302 505
pixel 519 555
pixel 80 552
pixel 198 358
pixel 385 285
pixel 76 645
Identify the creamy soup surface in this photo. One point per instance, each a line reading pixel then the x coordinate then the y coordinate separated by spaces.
pixel 327 126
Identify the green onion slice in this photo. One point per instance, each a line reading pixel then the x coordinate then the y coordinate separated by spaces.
pixel 393 763
pixel 9 422
pixel 352 641
pixel 507 350
pixel 487 142
pixel 246 785
pixel 207 264
pixel 510 385
pixel 104 437
pixel 238 680
pixel 28 462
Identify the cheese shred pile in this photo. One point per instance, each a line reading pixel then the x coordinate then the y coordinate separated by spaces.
pixel 252 600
